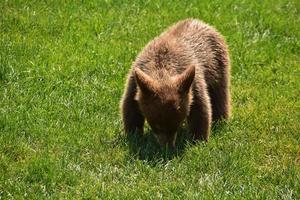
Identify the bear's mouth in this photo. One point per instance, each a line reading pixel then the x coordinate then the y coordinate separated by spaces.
pixel 164 139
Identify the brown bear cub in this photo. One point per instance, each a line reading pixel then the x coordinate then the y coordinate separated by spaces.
pixel 183 73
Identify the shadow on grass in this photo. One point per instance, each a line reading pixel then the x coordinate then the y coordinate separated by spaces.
pixel 145 147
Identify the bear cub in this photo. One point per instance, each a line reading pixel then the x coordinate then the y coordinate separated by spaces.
pixel 182 74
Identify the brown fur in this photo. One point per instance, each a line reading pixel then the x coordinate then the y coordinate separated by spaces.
pixel 183 73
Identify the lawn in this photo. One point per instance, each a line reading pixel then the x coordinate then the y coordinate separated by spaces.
pixel 62 73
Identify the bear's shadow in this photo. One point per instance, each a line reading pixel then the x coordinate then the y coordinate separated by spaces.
pixel 145 147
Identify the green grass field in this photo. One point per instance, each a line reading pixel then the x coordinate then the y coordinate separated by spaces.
pixel 62 72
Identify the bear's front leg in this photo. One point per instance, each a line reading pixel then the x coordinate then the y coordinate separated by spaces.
pixel 199 118
pixel 132 118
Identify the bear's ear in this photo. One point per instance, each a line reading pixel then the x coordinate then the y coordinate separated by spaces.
pixel 145 82
pixel 185 80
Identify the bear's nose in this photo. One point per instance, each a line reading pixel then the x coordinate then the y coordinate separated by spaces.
pixel 166 139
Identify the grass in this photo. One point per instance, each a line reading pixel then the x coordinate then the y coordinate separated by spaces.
pixel 62 73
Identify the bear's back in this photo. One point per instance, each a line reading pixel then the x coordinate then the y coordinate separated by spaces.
pixel 188 42
pixel 206 43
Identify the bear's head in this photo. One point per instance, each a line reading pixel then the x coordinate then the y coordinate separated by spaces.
pixel 165 101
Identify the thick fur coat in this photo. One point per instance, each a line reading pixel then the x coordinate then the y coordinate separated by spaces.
pixel 182 74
